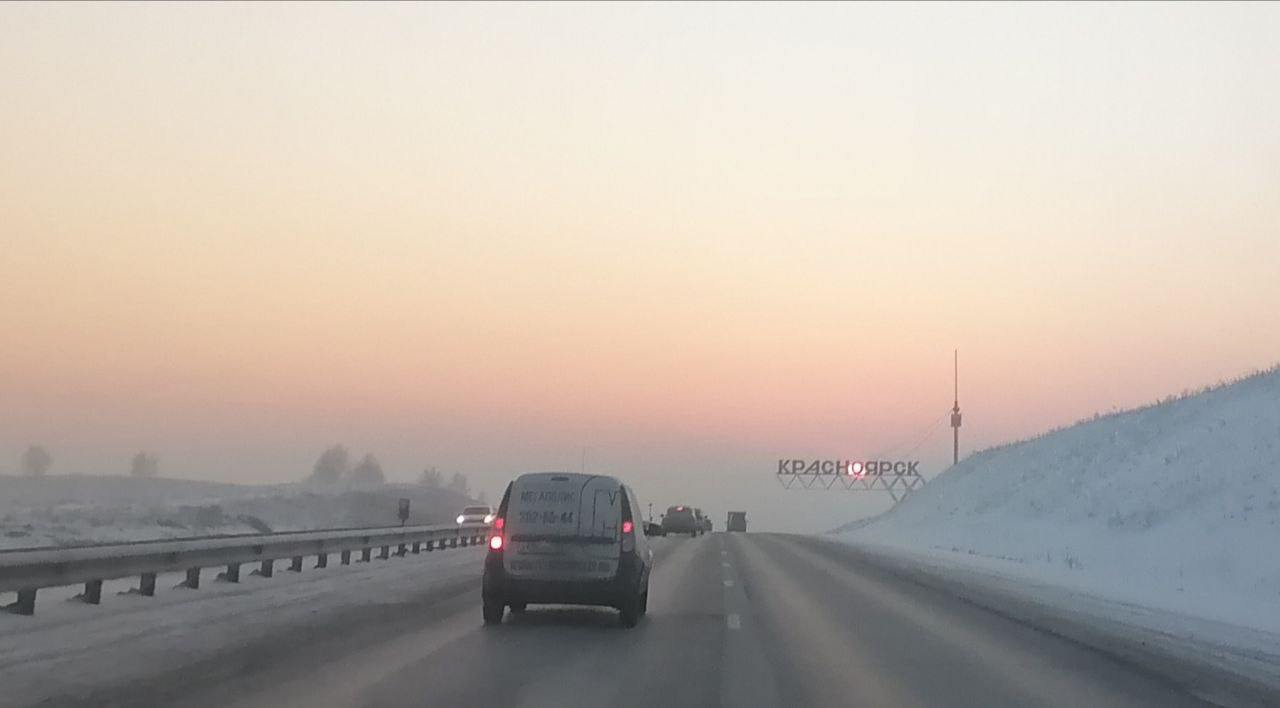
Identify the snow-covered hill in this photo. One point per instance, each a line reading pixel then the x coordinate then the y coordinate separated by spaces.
pixel 1176 505
pixel 78 509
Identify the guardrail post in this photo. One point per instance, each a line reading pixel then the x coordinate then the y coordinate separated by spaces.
pixel 417 546
pixel 366 555
pixel 26 604
pixel 92 592
pixel 233 573
pixel 384 553
pixel 346 557
pixel 402 550
pixel 431 546
pixel 296 566
pixel 322 560
pixel 268 568
pixel 147 586
pixel 453 542
pixel 193 578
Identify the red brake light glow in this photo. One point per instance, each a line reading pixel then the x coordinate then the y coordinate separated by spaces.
pixel 627 527
pixel 496 543
pixel 499 522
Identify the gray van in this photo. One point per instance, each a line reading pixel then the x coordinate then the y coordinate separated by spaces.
pixel 562 538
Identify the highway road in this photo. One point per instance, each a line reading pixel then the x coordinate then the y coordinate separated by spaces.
pixel 735 620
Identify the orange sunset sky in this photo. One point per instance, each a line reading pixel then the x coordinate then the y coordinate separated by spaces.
pixel 690 239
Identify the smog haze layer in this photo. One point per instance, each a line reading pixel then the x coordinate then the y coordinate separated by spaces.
pixel 675 243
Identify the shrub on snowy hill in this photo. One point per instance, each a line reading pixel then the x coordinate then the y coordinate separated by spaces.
pixel 36 461
pixel 368 473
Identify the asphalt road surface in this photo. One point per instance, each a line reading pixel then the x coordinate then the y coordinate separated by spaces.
pixel 734 620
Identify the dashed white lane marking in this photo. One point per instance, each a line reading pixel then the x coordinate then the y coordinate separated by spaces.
pixel 725 564
pixel 734 621
pixel 728 583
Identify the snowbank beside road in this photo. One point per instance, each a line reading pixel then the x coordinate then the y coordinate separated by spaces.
pixel 1174 506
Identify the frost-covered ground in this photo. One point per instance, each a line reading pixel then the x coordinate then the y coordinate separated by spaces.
pixel 64 510
pixel 1174 506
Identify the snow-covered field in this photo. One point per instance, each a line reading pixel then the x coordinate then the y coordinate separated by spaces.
pixel 65 510
pixel 1175 506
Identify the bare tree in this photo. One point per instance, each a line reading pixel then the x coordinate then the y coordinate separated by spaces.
pixel 431 477
pixel 368 472
pixel 331 466
pixel 36 461
pixel 458 483
pixel 144 465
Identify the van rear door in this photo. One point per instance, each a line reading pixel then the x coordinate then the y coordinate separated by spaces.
pixel 564 527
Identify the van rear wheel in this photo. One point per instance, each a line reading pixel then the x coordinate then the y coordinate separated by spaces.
pixel 493 612
pixel 518 607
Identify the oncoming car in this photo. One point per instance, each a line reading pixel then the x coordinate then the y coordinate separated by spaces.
pixel 574 539
pixel 476 515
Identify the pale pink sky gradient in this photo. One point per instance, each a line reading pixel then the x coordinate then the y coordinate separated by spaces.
pixel 690 238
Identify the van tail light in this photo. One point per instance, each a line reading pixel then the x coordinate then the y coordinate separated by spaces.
pixel 628 537
pixel 495 542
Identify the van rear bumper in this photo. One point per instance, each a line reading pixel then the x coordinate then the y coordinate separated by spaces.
pixel 498 586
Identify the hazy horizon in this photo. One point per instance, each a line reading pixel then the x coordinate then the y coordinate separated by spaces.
pixel 690 239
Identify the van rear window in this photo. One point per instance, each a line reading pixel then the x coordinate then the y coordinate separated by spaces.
pixel 584 506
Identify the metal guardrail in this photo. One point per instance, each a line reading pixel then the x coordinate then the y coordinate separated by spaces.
pixel 29 570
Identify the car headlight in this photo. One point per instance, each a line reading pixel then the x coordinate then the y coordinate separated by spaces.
pixel 488 519
pixel 460 518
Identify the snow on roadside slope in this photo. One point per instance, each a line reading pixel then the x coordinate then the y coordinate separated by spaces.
pixel 1174 506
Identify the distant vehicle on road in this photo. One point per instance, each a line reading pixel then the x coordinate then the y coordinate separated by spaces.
pixel 704 522
pixel 476 515
pixel 737 521
pixel 680 519
pixel 568 539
